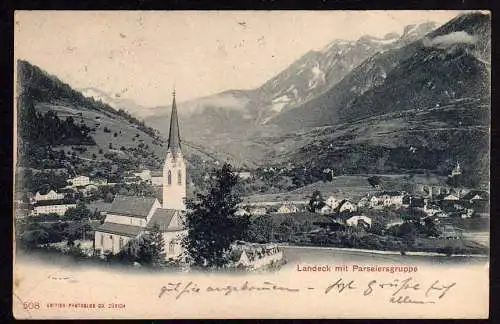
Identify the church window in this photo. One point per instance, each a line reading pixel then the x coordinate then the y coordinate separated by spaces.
pixel 121 243
pixel 179 177
pixel 171 247
pixel 169 178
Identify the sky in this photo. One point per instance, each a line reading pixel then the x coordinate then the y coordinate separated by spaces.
pixel 143 55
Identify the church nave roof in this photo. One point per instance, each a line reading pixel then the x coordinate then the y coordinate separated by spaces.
pixel 120 229
pixel 132 206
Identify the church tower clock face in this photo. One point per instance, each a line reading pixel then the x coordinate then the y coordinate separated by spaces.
pixel 174 169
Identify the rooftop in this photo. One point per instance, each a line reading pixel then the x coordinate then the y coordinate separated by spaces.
pixel 162 217
pixel 132 206
pixel 120 229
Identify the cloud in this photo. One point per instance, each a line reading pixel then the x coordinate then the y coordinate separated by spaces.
pixel 445 41
pixel 221 101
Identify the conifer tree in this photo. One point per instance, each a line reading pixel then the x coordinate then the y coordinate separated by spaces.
pixel 157 246
pixel 212 225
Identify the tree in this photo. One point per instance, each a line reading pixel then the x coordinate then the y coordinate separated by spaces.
pixel 430 228
pixel 316 202
pixel 32 238
pixel 408 232
pixel 288 228
pixel 157 246
pixel 211 220
pixel 261 229
pixel 414 215
pixel 378 226
pixel 374 181
pixel 108 197
pixel 306 226
pixel 79 213
pixel 78 230
pixel 138 249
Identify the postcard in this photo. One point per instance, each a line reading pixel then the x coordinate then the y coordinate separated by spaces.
pixel 251 164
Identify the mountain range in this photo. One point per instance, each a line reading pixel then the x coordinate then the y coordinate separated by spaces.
pixel 415 102
pixel 234 119
pixel 419 101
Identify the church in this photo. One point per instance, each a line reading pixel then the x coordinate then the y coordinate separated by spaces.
pixel 129 216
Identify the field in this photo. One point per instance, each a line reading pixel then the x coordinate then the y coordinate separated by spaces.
pixel 349 187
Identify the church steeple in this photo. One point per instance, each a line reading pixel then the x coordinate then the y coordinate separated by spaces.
pixel 174 137
pixel 174 169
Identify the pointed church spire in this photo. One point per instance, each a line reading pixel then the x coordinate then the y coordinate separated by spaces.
pixel 174 137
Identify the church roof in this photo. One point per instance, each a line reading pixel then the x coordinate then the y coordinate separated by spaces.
pixel 162 217
pixel 132 206
pixel 174 137
pixel 120 229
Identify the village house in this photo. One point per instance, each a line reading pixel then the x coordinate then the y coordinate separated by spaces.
pixel 239 258
pixel 479 201
pixel 130 217
pixel 387 199
pixel 359 221
pixel 374 202
pixel 241 212
pixel 332 202
pixel 325 210
pixel 346 206
pixel 51 195
pixel 99 181
pixel 144 175
pixel 431 209
pixel 467 213
pixel 287 208
pixel 89 190
pixel 440 215
pixel 394 222
pixel 363 202
pixel 59 209
pixel 450 197
pixel 258 211
pixel 253 255
pixel 79 181
pixel 331 205
pixel 476 195
pixel 244 175
pixel 157 178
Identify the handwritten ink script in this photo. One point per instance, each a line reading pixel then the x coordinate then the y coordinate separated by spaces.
pixel 397 291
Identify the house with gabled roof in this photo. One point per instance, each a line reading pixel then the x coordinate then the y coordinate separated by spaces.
pixel 131 216
pixel 346 206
